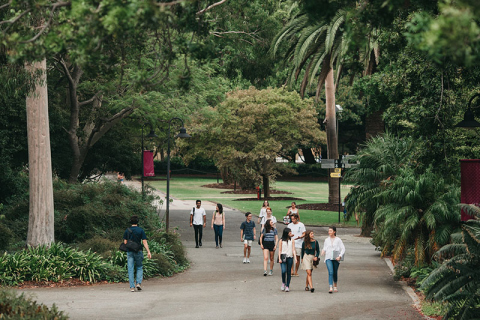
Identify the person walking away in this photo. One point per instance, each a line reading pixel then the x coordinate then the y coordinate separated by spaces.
pixel 135 259
pixel 198 219
pixel 333 250
pixel 298 230
pixel 286 257
pixel 247 235
pixel 268 216
pixel 310 252
pixel 263 211
pixel 218 224
pixel 268 243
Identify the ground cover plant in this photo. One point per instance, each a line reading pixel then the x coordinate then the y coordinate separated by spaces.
pixel 192 188
pixel 22 307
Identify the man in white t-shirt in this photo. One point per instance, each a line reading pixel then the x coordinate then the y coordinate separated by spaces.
pixel 198 219
pixel 298 230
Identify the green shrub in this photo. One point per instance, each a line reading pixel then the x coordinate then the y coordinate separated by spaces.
pixel 173 244
pixel 6 237
pixel 21 307
pixel 99 245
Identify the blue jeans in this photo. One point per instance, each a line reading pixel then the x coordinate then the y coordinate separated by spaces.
pixel 218 233
pixel 287 271
pixel 135 259
pixel 332 266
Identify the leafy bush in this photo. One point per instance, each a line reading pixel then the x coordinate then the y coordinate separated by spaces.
pixel 99 245
pixel 21 307
pixel 57 263
pixel 6 236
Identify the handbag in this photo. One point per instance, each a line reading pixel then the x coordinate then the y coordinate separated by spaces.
pixel 336 254
pixel 130 245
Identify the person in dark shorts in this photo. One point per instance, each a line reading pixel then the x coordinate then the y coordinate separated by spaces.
pixel 268 243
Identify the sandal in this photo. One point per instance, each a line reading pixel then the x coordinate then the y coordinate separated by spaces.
pixel 307 289
pixel 331 290
pixel 312 290
pixel 335 289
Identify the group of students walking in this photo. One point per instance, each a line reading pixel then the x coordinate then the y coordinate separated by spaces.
pixel 296 247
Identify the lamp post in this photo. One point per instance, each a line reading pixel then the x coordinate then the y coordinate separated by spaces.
pixel 150 135
pixel 339 109
pixel 183 134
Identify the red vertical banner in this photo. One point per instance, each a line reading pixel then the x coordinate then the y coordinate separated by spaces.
pixel 148 168
pixel 470 171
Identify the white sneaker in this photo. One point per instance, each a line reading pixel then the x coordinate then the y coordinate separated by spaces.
pixel 287 289
pixel 248 260
pixel 244 260
pixel 270 273
pixel 283 287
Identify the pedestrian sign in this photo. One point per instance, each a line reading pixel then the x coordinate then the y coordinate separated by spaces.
pixel 336 175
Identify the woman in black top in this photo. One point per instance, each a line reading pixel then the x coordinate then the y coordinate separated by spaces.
pixel 310 252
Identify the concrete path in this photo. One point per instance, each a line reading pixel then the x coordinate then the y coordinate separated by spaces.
pixel 218 285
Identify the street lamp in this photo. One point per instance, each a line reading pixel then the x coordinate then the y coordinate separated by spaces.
pixel 469 118
pixel 150 135
pixel 339 109
pixel 183 134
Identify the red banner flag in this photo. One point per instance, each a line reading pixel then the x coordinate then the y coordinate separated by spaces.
pixel 470 171
pixel 148 164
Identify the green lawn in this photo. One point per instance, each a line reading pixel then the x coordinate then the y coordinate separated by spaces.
pixel 312 192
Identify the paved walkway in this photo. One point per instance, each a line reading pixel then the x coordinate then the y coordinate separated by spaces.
pixel 218 285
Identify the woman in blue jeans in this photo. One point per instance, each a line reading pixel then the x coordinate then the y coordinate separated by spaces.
pixel 135 259
pixel 333 250
pixel 218 224
pixel 286 257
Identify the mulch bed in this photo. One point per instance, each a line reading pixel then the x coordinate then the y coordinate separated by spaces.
pixel 60 284
pixel 320 206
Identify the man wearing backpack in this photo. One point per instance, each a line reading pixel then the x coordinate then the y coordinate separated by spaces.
pixel 135 258
pixel 198 218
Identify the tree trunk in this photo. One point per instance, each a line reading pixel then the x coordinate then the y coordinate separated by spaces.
pixel 331 130
pixel 266 186
pixel 41 214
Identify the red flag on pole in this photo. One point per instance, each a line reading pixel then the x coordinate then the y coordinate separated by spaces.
pixel 470 180
pixel 148 168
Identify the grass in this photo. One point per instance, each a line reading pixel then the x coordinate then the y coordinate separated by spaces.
pixel 188 188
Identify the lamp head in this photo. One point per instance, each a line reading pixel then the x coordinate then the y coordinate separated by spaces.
pixel 152 134
pixel 183 133
pixel 468 120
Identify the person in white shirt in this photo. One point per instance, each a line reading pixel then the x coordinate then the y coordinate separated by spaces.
pixel 268 216
pixel 334 251
pixel 263 211
pixel 198 219
pixel 298 230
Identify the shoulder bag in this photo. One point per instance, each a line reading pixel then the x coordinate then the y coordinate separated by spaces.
pixel 130 245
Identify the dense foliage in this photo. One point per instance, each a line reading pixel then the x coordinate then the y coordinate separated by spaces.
pixel 13 306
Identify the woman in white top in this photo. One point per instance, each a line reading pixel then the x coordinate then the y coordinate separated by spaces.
pixel 287 257
pixel 291 211
pixel 218 224
pixel 263 211
pixel 268 216
pixel 334 251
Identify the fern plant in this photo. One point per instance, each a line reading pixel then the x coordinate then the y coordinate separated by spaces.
pixel 456 282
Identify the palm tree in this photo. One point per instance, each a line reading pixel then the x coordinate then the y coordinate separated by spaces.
pixel 456 282
pixel 316 49
pixel 380 160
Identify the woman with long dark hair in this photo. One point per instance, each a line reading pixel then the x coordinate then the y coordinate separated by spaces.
pixel 218 224
pixel 268 243
pixel 334 251
pixel 286 257
pixel 310 252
